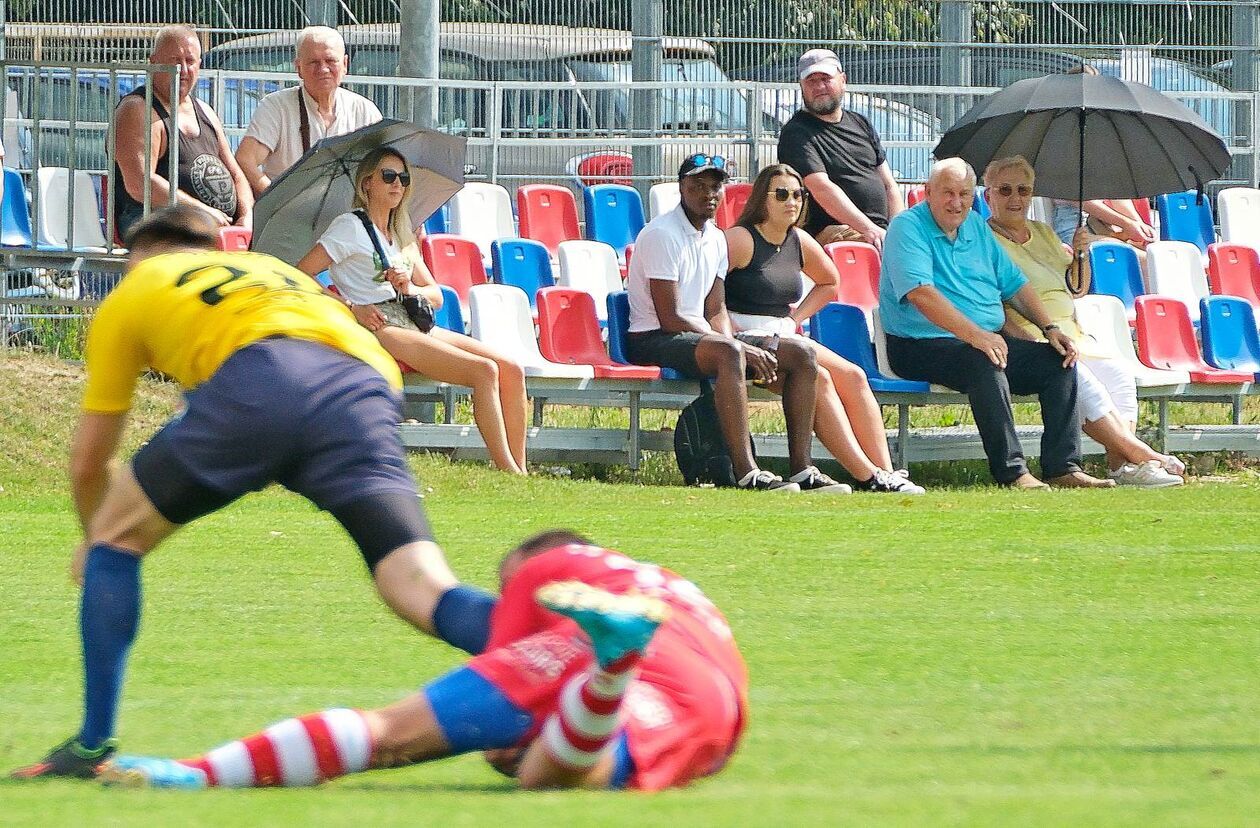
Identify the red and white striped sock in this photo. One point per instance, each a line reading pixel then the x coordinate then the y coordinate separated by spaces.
pixel 294 753
pixel 576 734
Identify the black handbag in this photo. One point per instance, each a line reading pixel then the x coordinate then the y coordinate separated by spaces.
pixel 419 309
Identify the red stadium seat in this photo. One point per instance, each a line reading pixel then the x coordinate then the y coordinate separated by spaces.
pixel 454 261
pixel 858 263
pixel 235 238
pixel 1166 340
pixel 734 197
pixel 915 194
pixel 547 214
pixel 605 168
pixel 1234 270
pixel 568 333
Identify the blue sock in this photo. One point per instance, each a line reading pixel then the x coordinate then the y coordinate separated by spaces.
pixel 462 618
pixel 109 613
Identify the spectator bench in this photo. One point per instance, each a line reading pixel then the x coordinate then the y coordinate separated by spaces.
pixel 615 445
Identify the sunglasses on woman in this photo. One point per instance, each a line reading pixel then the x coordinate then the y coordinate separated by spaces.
pixel 1005 190
pixel 390 176
pixel 783 194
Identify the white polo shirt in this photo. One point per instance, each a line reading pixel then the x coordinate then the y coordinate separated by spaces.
pixel 277 127
pixel 671 249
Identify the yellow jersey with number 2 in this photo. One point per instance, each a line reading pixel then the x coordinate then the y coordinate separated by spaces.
pixel 184 314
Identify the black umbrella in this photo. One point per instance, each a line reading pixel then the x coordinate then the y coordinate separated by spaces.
pixel 1091 137
pixel 297 208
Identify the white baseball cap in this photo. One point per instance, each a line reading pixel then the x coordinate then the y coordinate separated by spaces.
pixel 818 60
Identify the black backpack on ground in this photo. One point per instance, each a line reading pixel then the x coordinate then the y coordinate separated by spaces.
pixel 698 445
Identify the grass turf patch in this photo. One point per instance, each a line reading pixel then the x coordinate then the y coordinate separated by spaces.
pixel 973 656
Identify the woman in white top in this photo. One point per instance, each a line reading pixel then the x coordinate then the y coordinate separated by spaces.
pixel 767 252
pixel 372 290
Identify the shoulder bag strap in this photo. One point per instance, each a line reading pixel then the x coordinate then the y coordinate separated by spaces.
pixel 376 241
pixel 304 122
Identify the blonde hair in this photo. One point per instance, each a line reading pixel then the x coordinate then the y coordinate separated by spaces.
pixel 1011 162
pixel 399 219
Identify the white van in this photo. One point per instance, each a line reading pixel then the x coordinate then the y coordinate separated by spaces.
pixel 562 62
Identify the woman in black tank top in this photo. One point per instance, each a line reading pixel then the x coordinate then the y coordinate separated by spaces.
pixel 767 255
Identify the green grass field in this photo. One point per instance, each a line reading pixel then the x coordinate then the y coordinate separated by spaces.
pixel 974 656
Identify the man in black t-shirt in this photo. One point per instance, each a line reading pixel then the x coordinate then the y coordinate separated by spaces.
pixel 839 156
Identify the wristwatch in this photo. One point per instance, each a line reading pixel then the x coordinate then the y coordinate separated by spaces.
pixel 1049 328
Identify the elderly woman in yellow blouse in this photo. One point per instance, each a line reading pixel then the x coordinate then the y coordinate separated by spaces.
pixel 1105 387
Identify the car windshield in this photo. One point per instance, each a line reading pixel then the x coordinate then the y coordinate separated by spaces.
pixel 688 109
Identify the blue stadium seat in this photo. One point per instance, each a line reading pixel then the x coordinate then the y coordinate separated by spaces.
pixel 980 205
pixel 450 316
pixel 619 329
pixel 1230 339
pixel 1115 271
pixel 523 263
pixel 614 215
pixel 1186 217
pixel 15 216
pixel 842 328
pixel 439 222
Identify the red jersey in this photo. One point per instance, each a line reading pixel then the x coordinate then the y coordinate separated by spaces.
pixel 685 711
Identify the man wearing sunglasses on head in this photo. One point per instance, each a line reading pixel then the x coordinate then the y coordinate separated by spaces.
pixel 678 320
pixel 840 157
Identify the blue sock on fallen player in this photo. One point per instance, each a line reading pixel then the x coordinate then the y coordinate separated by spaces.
pixel 462 618
pixel 109 613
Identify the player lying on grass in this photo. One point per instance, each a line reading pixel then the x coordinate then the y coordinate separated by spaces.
pixel 283 386
pixel 659 707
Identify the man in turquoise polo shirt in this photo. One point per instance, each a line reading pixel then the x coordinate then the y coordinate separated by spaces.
pixel 942 284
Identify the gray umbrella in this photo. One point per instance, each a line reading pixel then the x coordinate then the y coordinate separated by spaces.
pixel 297 208
pixel 1090 137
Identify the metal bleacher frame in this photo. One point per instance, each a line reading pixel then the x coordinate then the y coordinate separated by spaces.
pixel 608 446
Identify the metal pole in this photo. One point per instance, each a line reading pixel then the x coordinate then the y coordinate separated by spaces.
pixel 320 12
pixel 419 33
pixel 1245 76
pixel 647 51
pixel 955 29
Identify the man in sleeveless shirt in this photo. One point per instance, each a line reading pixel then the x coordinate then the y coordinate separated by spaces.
pixel 287 123
pixel 208 176
pixel 840 158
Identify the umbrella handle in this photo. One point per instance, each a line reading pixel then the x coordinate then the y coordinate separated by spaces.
pixel 1198 185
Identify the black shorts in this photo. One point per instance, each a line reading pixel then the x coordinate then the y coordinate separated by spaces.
pixel 309 417
pixel 678 350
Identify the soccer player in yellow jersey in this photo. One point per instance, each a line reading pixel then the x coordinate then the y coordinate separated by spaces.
pixel 283 385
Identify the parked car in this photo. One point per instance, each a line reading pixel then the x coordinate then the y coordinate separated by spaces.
pixel 893 122
pixel 560 60
pixel 1181 81
pixel 883 66
pixel 82 102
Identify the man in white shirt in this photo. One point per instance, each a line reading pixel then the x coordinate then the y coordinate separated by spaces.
pixel 678 320
pixel 281 131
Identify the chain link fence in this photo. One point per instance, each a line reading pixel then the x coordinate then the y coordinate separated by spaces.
pixel 751 36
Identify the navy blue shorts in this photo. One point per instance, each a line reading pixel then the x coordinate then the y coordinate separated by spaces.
pixel 309 417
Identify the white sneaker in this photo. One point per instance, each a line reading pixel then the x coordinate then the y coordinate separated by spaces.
pixel 1147 475
pixel 1174 466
